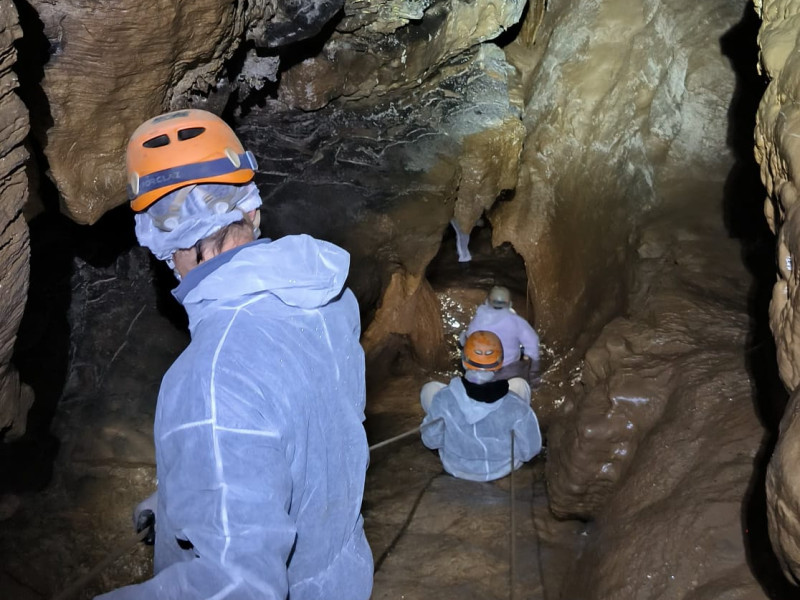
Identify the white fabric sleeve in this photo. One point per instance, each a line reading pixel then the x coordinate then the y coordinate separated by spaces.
pixel 233 507
pixel 432 427
pixel 528 339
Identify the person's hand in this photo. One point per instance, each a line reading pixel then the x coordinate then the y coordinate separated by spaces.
pixel 144 517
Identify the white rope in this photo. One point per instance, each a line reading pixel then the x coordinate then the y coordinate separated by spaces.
pixel 512 559
pixel 394 439
pixel 402 435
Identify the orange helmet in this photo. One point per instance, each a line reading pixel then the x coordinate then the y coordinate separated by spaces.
pixel 483 351
pixel 181 148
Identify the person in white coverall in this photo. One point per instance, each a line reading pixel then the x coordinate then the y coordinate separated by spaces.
pixel 515 333
pixel 261 452
pixel 470 421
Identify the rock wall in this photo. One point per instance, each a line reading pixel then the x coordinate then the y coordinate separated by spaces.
pixel 15 398
pixel 412 115
pixel 399 124
pixel 778 152
pixel 371 64
pixel 112 65
pixel 621 100
pixel 658 445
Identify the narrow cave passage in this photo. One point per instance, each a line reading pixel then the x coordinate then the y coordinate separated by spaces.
pixel 684 380
pixel 436 536
pixel 461 286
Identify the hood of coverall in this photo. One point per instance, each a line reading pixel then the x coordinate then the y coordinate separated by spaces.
pixel 473 410
pixel 299 270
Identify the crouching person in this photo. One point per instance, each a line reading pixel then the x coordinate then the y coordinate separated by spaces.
pixel 515 333
pixel 261 452
pixel 470 420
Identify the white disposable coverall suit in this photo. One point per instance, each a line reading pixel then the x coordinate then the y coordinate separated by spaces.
pixel 513 331
pixel 474 438
pixel 260 448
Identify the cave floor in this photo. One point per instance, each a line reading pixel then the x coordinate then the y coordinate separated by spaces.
pixel 435 536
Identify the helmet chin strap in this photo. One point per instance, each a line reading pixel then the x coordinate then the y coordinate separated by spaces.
pixel 478 377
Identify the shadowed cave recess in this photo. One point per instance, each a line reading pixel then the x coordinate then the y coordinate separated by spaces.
pixel 626 168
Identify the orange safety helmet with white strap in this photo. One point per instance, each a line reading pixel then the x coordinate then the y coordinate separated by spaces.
pixel 483 351
pixel 182 148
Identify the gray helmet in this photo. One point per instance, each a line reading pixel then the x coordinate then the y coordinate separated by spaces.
pixel 499 297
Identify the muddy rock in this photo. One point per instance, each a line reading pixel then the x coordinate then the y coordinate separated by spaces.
pixel 15 397
pixel 783 491
pixel 777 151
pixel 619 99
pixel 660 445
pixel 626 386
pixel 410 309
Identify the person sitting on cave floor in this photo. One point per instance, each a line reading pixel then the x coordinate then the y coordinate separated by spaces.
pixel 261 452
pixel 520 341
pixel 470 421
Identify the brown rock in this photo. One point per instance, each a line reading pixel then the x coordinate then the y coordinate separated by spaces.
pixel 384 179
pixel 778 152
pixel 114 65
pixel 783 491
pixel 614 99
pixel 660 445
pixel 409 308
pixel 15 398
pixel 382 47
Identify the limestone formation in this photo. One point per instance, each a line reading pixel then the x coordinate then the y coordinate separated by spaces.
pixel 384 46
pixel 113 65
pixel 620 99
pixel 15 397
pixel 783 493
pixel 778 152
pixel 404 114
pixel 628 378
pixel 658 449
pixel 121 66
pixel 384 179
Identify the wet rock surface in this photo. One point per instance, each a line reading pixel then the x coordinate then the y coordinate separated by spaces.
pixel 664 446
pixel 619 98
pixel 616 104
pixel 677 516
pixel 783 492
pixel 96 95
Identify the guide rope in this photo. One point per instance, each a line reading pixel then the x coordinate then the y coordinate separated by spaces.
pixel 513 549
